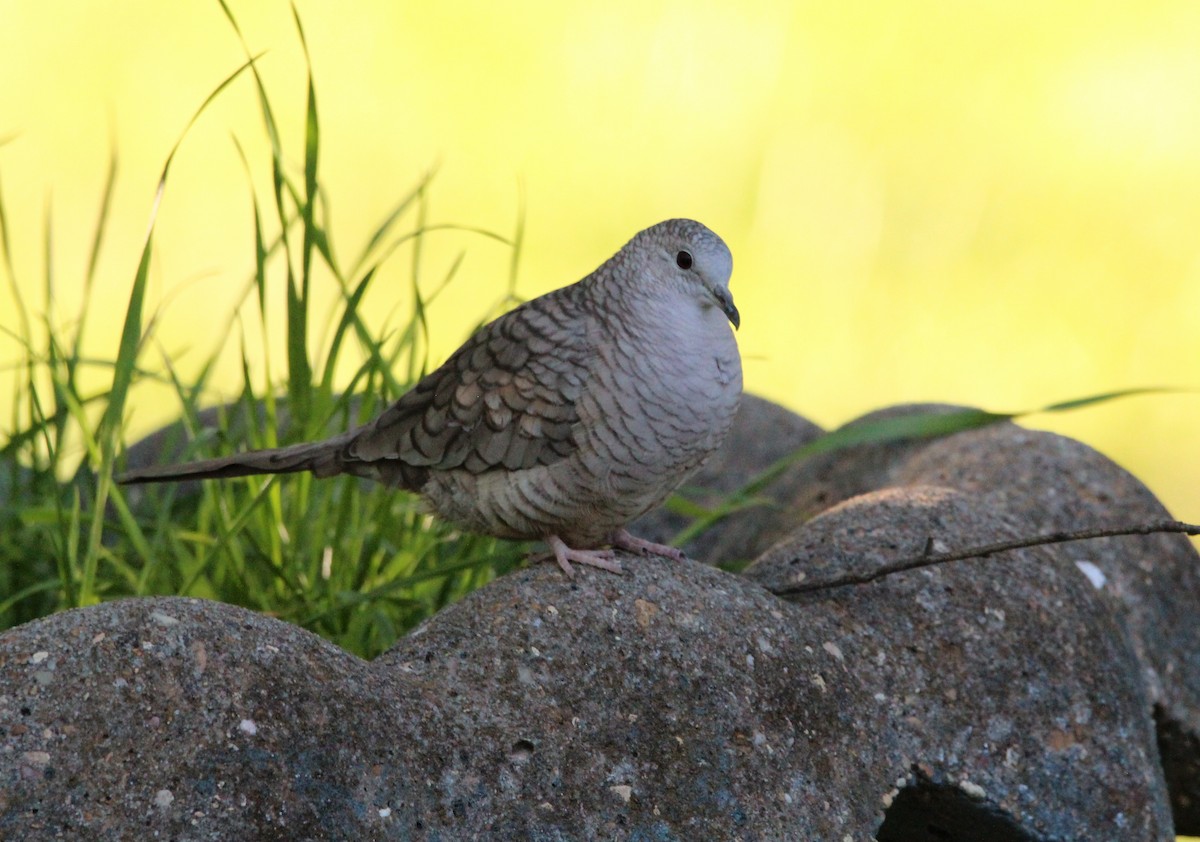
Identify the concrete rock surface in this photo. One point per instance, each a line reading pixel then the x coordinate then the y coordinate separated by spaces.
pixel 1045 483
pixel 1002 681
pixel 1000 699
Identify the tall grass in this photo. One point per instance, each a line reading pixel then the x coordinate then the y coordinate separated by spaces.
pixel 354 562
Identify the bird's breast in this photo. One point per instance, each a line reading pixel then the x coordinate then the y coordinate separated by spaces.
pixel 667 393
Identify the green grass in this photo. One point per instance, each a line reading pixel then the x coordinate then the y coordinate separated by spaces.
pixel 354 562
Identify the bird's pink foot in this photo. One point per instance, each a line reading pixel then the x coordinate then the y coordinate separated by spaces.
pixel 622 540
pixel 564 555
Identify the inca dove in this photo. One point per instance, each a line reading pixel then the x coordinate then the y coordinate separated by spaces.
pixel 564 419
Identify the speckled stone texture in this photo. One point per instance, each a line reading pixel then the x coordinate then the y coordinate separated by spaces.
pixel 173 718
pixel 1004 677
pixel 676 702
pixel 997 700
pixel 1152 583
pixel 1044 483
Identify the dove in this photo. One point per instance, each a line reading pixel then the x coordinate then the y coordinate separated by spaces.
pixel 565 418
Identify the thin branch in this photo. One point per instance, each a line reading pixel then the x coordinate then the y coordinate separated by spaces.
pixel 928 559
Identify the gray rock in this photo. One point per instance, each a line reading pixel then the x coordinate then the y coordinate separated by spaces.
pixel 990 700
pixel 1152 583
pixel 675 702
pixel 1004 683
pixel 180 718
pixel 1048 483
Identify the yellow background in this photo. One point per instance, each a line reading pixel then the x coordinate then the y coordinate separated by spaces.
pixel 988 203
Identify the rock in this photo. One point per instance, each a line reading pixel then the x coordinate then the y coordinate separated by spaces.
pixel 1008 699
pixel 1152 583
pixel 536 708
pixel 674 702
pixel 690 687
pixel 1004 700
pixel 138 709
pixel 1049 483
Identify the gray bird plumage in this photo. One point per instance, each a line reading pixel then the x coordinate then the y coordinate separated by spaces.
pixel 565 418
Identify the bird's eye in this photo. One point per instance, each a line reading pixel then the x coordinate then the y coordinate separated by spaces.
pixel 683 260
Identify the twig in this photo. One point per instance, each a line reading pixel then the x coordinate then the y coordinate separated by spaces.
pixel 928 559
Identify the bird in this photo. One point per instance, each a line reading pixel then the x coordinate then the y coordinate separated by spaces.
pixel 565 418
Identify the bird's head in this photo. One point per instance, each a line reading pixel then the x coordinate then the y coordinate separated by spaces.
pixel 684 254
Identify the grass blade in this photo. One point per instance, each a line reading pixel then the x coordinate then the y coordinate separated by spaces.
pixel 884 431
pixel 126 361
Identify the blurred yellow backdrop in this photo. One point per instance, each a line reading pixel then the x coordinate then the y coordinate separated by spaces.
pixel 987 203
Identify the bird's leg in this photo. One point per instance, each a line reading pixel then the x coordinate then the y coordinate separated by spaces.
pixel 564 555
pixel 622 540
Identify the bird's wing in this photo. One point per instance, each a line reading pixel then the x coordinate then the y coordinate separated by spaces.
pixel 505 399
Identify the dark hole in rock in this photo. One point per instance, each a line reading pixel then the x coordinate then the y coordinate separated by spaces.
pixel 521 751
pixel 1179 749
pixel 928 812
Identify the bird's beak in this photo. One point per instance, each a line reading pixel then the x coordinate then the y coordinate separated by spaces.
pixel 725 302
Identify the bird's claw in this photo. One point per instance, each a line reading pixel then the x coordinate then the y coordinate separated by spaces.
pixel 622 540
pixel 564 555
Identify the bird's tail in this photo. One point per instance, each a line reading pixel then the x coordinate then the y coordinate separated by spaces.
pixel 323 458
